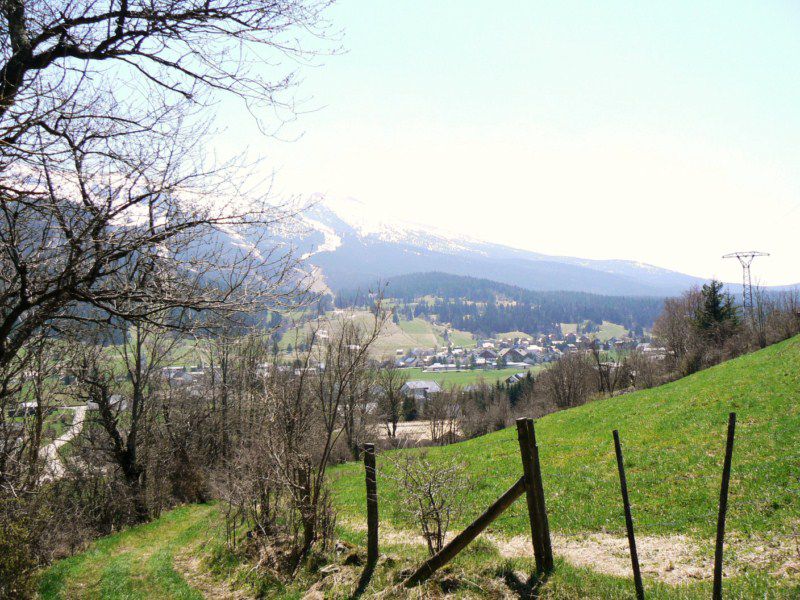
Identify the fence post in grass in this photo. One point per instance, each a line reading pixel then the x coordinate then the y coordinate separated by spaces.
pixel 531 497
pixel 372 504
pixel 547 545
pixel 537 511
pixel 623 483
pixel 723 507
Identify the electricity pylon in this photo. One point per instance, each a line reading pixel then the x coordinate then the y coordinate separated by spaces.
pixel 746 259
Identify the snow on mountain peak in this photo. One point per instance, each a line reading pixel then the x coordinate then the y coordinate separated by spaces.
pixel 368 222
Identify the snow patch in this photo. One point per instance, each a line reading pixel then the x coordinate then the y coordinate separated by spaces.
pixel 370 223
pixel 330 241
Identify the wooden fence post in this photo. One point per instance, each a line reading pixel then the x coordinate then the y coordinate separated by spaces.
pixel 547 544
pixel 723 507
pixel 531 496
pixel 458 543
pixel 623 483
pixel 372 504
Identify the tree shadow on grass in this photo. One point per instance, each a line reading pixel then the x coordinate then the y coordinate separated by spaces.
pixel 363 581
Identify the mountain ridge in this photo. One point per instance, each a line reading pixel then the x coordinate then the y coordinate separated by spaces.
pixel 356 247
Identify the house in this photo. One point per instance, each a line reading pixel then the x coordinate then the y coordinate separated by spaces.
pixel 487 354
pixel 513 355
pixel 23 409
pixel 177 375
pixel 536 352
pixel 516 378
pixel 420 390
pixel 116 402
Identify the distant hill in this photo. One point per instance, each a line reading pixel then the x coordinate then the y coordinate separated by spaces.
pixel 486 306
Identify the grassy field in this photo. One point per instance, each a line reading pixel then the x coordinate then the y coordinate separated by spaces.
pixel 610 330
pixel 673 438
pixel 467 377
pixel 510 335
pixel 607 330
pixel 568 328
pixel 405 335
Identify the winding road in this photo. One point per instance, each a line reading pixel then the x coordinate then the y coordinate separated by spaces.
pixel 54 467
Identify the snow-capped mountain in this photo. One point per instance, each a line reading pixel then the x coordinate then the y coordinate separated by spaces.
pixel 351 246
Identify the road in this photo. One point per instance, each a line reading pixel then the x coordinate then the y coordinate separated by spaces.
pixel 54 467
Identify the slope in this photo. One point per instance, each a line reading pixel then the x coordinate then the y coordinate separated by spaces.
pixel 673 438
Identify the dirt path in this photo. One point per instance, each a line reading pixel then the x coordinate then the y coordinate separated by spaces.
pixel 54 467
pixel 672 559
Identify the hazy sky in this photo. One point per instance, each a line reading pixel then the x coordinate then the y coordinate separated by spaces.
pixel 666 132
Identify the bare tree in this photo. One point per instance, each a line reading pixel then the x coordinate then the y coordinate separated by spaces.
pixel 783 320
pixel 568 381
pixel 28 398
pixel 390 401
pixel 118 227
pixel 443 411
pixel 645 371
pixel 98 183
pixel 295 424
pixel 98 385
pixel 675 330
pixel 612 372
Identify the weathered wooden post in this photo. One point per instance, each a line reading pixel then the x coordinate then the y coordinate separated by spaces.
pixel 723 507
pixel 531 497
pixel 623 483
pixel 537 510
pixel 372 504
pixel 547 544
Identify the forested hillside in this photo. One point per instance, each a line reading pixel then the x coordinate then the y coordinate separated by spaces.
pixel 483 306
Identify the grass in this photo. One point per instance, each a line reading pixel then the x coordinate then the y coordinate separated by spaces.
pixel 610 330
pixel 467 377
pixel 607 330
pixel 135 563
pixel 462 338
pixel 568 328
pixel 405 335
pixel 510 335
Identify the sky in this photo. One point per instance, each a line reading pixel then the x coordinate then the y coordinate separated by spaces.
pixel 666 133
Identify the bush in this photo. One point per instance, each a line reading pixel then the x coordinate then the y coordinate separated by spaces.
pixel 435 494
pixel 17 556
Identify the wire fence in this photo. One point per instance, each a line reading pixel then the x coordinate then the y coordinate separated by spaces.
pixel 598 483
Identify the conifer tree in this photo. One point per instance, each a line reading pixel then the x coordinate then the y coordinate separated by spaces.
pixel 717 314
